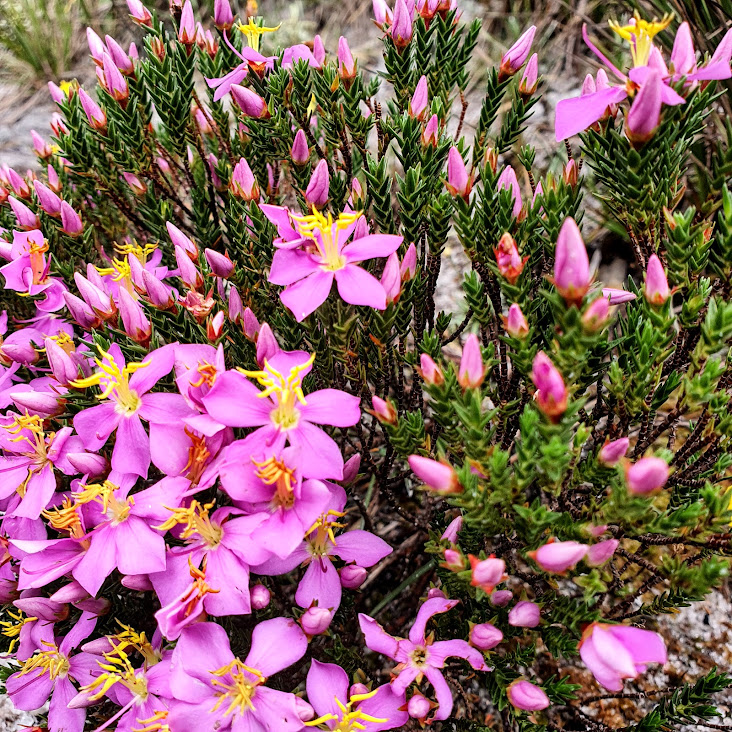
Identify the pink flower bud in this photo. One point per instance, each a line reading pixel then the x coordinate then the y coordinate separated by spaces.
pixel 524 614
pixel 300 152
pixel 112 79
pixel 318 51
pixel 459 181
pixel 139 13
pixel 179 239
pixel 121 60
pixel 530 79
pixel 250 103
pixel 138 187
pixel 40 146
pixel 418 706
pixel 17 183
pixel 26 219
pixel 527 696
pixel 382 12
pixel 557 557
pixel 451 532
pixel 70 220
pixel 431 133
pixel 351 468
pixel 611 452
pixel 236 311
pixel 551 396
pixel 318 190
pixel 430 371
pixel 454 560
pixel 391 279
pixel 48 200
pixel 644 115
pixel 508 181
pixel 249 321
pixel 135 323
pixel 260 597
pixel 501 598
pixel 187 25
pixel 437 476
pixel 88 463
pixel 647 476
pixel 656 291
pixel 220 264
pixel 97 48
pixel 402 27
pixel 243 183
pixel 63 366
pixel 58 126
pixel 160 295
pixel 516 56
pixel 408 268
pixel 472 370
pixel 515 324
pixel 267 345
pixel 42 403
pixel 485 636
pixel 616 297
pixel 571 264
pixel 187 271
pixel 352 576
pixel 56 94
pixel 346 64
pixel 596 314
pixel 136 582
pixel 419 103
pixel 384 411
pixel 82 314
pixel 54 183
pixel 509 261
pixel 436 592
pixel 223 17
pixel 316 620
pixel 304 711
pixel 602 551
pixel 487 573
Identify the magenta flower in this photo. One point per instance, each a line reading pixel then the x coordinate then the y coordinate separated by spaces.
pixel 321 584
pixel 312 252
pixel 125 390
pixel 646 476
pixel 617 652
pixel 551 395
pixel 557 557
pixel 282 413
pixel 337 708
pixel 571 266
pixel 419 656
pixel 656 290
pixel 527 696
pixel 209 683
pixel 50 672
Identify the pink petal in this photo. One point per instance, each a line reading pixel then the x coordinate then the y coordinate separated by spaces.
pixel 326 682
pixel 332 407
pixel 235 402
pixel 385 704
pixel 645 646
pixel 164 408
pixel 371 246
pixel 291 265
pixel 275 710
pixel 429 608
pixel 320 582
pixel 96 424
pixel 169 447
pixel 39 490
pixel 719 70
pixel 358 287
pixel 457 649
pixel 98 562
pixel 443 695
pixel 60 717
pixel 320 456
pixel 132 447
pixel 577 114
pixel 307 295
pixel 139 549
pixel 30 691
pixel 377 639
pixel 276 644
pixel 227 573
pixel 361 547
pixel 159 364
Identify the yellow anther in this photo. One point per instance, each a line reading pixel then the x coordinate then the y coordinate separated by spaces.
pixel 157 723
pixel 128 637
pixel 275 472
pixel 238 689
pixel 323 530
pixel 12 629
pixel 350 719
pixel 196 522
pixel 253 32
pixel 119 270
pixel 65 518
pixel 51 661
pixel 142 252
pixel 103 493
pixel 640 34
pixel 325 234
pixel 117 670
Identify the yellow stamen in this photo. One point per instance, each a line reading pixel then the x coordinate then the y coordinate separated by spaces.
pixel 142 252
pixel 275 472
pixel 350 719
pixel 51 661
pixel 118 511
pixel 640 35
pixel 65 518
pixel 239 689
pixel 321 231
pixel 323 530
pixel 12 629
pixel 253 32
pixel 117 670
pixel 128 637
pixel 157 723
pixel 196 522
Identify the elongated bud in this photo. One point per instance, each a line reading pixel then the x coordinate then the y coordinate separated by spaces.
pixel 42 149
pixel 82 314
pixel 570 174
pixel 250 103
pixel 601 552
pixel 318 190
pixel 524 614
pixel 459 181
pixel 516 56
pixel 267 345
pixel 139 188
pixel 63 367
pixel 187 270
pixel 220 264
pixel 42 403
pixel 319 51
pixel 571 264
pixel 515 323
pixel 382 12
pixel 383 410
pixel 431 132
pixel 17 183
pixel 402 26
pixel 56 94
pixel 472 370
pixel 509 261
pixel 70 220
pixel 508 181
pixel 351 468
pixel 236 308
pixel 408 268
pixel 249 324
pixel 596 314
pixel 223 17
pixel 48 200
pixel 121 60
pixel 352 576
pixel 647 476
pixel 486 573
pixel 94 113
pixel 27 220
pixel 346 63
pixel 644 115
pixel 243 183
pixel 316 620
pixel 419 103
pixel 187 25
pixel 300 152
pixel 454 560
pixel 134 320
pixel 616 297
pixel 97 48
pixel 530 78
pixel 453 529
pixel 139 13
pixel 551 396
pixel 98 300
pixel 611 452
pixel 656 290
pixel 437 476
pixel 215 326
pixel 430 371
pixel 54 182
pixel 557 557
pixel 527 696
pixel 112 79
pixel 485 636
pixel 179 239
pixel 391 279
pixel 160 295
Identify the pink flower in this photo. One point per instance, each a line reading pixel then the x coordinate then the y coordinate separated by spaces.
pixel 515 323
pixel 419 657
pixel 571 264
pixel 617 652
pixel 472 370
pixel 551 395
pixel 328 692
pixel 557 557
pixel 126 402
pixel 646 476
pixel 524 614
pixel 314 253
pixel 243 183
pixel 282 413
pixel 487 573
pixel 616 297
pixel 656 290
pixel 601 552
pixel 527 696
pixel 437 476
pixel 209 683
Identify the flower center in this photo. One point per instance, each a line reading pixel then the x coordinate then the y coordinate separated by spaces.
pixel 37 440
pixel 253 32
pixel 349 720
pixel 196 522
pixel 321 537
pixel 236 685
pixel 115 383
pixel 117 670
pixel 640 33
pixel 325 234
pixel 51 661
pixel 275 472
pixel 38 262
pixel 115 509
pixel 286 391
pixel 419 656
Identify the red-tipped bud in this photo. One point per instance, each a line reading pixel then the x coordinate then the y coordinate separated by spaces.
pixel 611 452
pixel 346 63
pixel 250 103
pixel 516 56
pixel 530 79
pixel 419 103
pixel 487 573
pixel 557 557
pixel 430 371
pixel 509 261
pixel 551 395
pixel 459 181
pixel 656 291
pixel 384 411
pixel 431 132
pixel 515 323
pixel 220 264
pixel 139 13
pixel 139 188
pixel 472 369
pixel 243 183
pixel 215 326
pixel 437 476
pixel 571 264
pixel 187 25
pixel 402 26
